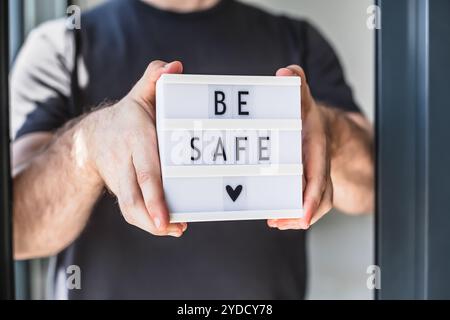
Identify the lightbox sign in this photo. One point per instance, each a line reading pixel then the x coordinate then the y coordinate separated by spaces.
pixel 230 146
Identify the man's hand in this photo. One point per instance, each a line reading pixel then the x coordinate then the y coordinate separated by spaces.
pixel 58 177
pixel 317 185
pixel 122 148
pixel 336 148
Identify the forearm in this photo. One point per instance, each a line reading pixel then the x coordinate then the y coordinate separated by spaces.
pixel 352 161
pixel 54 193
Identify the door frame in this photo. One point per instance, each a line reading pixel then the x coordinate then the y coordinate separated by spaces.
pixel 6 257
pixel 413 210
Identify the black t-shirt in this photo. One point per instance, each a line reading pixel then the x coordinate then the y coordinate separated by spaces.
pixel 117 40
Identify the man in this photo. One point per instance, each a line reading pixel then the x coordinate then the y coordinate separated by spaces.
pixel 84 119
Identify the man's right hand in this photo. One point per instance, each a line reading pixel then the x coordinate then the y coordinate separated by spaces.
pixel 119 144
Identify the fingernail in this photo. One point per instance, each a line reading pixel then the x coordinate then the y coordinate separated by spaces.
pixel 290 71
pixel 305 225
pixel 167 65
pixel 175 234
pixel 185 227
pixel 157 222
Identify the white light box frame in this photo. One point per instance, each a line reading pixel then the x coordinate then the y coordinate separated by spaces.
pixel 230 146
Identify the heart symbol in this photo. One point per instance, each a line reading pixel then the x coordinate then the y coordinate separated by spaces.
pixel 234 193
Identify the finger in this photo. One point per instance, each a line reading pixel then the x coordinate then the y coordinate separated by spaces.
pixel 324 208
pixel 325 205
pixel 145 88
pixel 315 186
pixel 132 205
pixel 295 70
pixel 315 160
pixel 285 224
pixel 148 175
pixel 297 223
pixel 284 72
pixel 316 176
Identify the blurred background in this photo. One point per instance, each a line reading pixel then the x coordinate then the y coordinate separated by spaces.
pixel 340 247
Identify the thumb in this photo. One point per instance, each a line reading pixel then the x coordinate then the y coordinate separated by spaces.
pixel 307 99
pixel 145 89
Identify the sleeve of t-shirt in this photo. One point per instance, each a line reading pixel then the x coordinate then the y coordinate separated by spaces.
pixel 41 80
pixel 324 72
